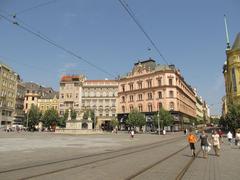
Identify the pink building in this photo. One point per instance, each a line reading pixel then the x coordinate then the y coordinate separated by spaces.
pixel 150 86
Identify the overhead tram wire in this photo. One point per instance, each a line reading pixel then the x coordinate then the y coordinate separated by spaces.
pixel 45 38
pixel 34 7
pixel 131 14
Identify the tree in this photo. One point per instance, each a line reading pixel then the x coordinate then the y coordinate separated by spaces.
pixel 33 117
pixel 135 119
pixel 232 118
pixel 50 118
pixel 62 120
pixel 114 122
pixel 165 118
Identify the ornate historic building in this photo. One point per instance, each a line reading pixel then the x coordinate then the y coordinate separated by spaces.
pixel 33 92
pixel 70 93
pixel 150 86
pixel 101 97
pixel 81 95
pixel 49 101
pixel 231 71
pixel 8 90
pixel 19 106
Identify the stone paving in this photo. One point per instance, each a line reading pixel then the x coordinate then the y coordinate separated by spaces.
pixel 227 166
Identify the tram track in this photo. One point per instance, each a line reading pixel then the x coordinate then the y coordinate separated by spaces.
pixel 75 160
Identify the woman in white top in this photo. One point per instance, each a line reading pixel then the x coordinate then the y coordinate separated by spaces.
pixel 216 142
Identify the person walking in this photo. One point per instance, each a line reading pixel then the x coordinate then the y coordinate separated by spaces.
pixel 192 139
pixel 229 136
pixel 204 144
pixel 237 138
pixel 216 143
pixel 132 134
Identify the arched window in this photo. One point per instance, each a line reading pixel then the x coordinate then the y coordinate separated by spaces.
pixel 171 105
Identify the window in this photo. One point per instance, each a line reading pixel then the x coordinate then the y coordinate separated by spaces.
pixel 170 81
pixel 123 109
pixel 131 87
pixel 76 95
pixel 131 98
pixel 149 83
pixel 131 108
pixel 140 97
pixel 160 82
pixel 171 94
pixel 149 96
pixel 33 98
pixel 123 88
pixel 139 85
pixel 160 94
pixel 171 105
pixel 140 108
pixel 160 105
pixel 150 108
pixel 123 99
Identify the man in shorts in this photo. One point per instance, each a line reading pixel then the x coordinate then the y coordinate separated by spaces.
pixel 192 139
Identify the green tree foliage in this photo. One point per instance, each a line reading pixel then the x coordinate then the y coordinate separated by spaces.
pixel 50 118
pixel 33 117
pixel 114 122
pixel 165 118
pixel 62 120
pixel 232 119
pixel 135 119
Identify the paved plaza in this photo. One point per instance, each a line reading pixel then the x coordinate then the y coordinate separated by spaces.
pixel 26 149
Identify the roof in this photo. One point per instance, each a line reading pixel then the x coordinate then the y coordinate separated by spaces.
pixel 50 95
pixel 69 78
pixel 236 44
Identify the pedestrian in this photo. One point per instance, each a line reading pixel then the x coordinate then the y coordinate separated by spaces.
pixel 237 138
pixel 220 135
pixel 229 136
pixel 132 134
pixel 216 143
pixel 204 144
pixel 192 139
pixel 164 132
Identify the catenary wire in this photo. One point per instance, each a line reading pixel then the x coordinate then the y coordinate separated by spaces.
pixel 55 44
pixel 34 7
pixel 131 14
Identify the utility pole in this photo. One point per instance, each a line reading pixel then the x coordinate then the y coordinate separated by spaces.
pixel 158 124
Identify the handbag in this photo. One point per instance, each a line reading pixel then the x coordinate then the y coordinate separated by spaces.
pixel 208 149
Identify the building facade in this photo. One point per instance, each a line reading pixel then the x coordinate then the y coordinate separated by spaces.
pixel 101 97
pixel 80 94
pixel 19 114
pixel 49 101
pixel 70 93
pixel 33 92
pixel 231 71
pixel 150 86
pixel 8 91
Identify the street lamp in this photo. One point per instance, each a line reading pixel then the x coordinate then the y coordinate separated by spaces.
pixel 158 123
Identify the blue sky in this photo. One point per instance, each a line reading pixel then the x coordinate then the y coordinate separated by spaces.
pixel 190 34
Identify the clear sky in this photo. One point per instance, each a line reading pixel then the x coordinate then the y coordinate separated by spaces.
pixel 189 33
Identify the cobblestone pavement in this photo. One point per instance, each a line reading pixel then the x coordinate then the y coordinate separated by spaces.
pixel 227 166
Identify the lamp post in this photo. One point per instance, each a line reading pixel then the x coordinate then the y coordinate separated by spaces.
pixel 158 123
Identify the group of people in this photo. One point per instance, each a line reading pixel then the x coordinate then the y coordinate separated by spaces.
pixel 205 142
pixel 237 138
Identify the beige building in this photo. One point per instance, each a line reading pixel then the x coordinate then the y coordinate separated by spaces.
pixel 101 97
pixel 19 106
pixel 150 86
pixel 33 92
pixel 80 94
pixel 70 93
pixel 49 101
pixel 8 90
